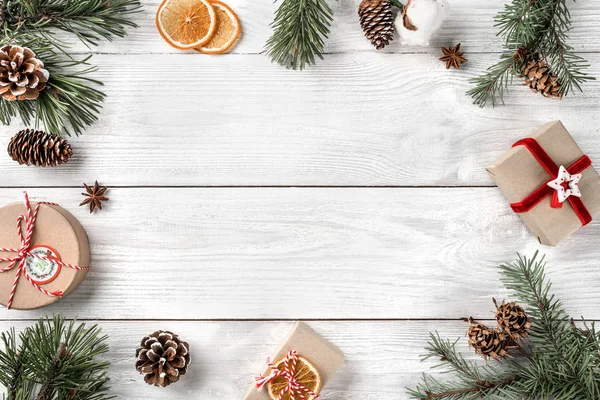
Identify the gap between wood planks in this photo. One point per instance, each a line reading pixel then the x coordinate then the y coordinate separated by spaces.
pixel 260 187
pixel 464 319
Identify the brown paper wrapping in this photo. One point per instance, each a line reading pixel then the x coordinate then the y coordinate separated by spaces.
pixel 321 353
pixel 517 173
pixel 54 227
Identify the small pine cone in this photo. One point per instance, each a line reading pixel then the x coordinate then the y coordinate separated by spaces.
pixel 33 147
pixel 486 341
pixel 377 21
pixel 521 54
pixel 540 79
pixel 162 358
pixel 22 76
pixel 512 319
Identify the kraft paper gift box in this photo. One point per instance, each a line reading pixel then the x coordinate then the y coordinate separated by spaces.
pixel 522 174
pixel 58 238
pixel 321 353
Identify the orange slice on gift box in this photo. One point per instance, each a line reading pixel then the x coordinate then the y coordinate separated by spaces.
pixel 227 32
pixel 306 375
pixel 186 24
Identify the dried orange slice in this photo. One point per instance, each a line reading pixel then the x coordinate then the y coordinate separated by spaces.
pixel 306 375
pixel 228 30
pixel 186 24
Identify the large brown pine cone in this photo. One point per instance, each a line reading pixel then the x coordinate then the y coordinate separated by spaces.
pixel 512 319
pixel 33 147
pixel 486 341
pixel 377 21
pixel 162 358
pixel 22 76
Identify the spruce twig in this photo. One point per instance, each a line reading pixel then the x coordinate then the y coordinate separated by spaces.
pixel 541 27
pixel 300 28
pixel 562 360
pixel 47 389
pixel 54 359
pixel 71 101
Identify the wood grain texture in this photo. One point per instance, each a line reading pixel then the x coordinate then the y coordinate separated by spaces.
pixel 367 263
pixel 382 358
pixel 470 22
pixel 342 253
pixel 356 119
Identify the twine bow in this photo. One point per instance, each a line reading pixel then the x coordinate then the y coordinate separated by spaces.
pixel 24 251
pixel 293 387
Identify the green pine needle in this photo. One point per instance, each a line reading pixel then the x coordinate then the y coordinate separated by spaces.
pixel 71 101
pixel 300 29
pixel 54 359
pixel 542 28
pixel 560 360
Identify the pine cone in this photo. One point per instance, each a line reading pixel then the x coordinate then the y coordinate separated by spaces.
pixel 22 76
pixel 486 341
pixel 512 319
pixel 540 79
pixel 162 358
pixel 39 148
pixel 521 54
pixel 377 21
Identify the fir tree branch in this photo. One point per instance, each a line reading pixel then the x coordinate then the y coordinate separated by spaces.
pixel 561 354
pixel 89 20
pixel 475 389
pixel 59 360
pixel 562 360
pixel 449 357
pixel 11 364
pixel 71 101
pixel 474 380
pixel 300 28
pixel 47 390
pixel 540 27
pixel 568 66
pixel 494 82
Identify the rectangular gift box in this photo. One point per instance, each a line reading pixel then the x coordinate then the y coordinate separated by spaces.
pixel 324 355
pixel 518 173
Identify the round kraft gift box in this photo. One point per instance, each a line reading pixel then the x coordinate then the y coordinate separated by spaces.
pixel 57 235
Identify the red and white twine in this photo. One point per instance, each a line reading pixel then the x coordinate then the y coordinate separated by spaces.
pixel 24 251
pixel 296 390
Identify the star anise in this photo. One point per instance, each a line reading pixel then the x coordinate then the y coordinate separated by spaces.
pixel 95 196
pixel 453 57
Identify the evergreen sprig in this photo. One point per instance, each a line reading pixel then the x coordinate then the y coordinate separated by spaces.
pixel 539 28
pixel 560 360
pixel 71 101
pixel 300 29
pixel 54 359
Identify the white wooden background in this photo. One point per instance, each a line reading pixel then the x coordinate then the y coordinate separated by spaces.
pixel 351 195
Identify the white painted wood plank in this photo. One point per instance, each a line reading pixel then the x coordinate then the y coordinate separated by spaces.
pixel 323 253
pixel 357 119
pixel 382 358
pixel 470 22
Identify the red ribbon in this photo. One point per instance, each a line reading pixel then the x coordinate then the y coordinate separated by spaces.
pixel 544 190
pixel 293 387
pixel 24 251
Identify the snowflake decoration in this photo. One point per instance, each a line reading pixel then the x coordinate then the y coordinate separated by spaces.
pixel 565 184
